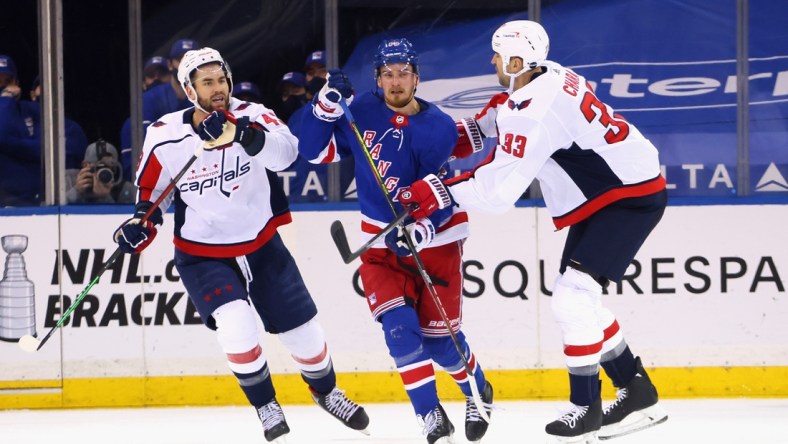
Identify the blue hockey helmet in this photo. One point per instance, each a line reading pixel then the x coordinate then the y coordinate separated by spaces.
pixel 393 51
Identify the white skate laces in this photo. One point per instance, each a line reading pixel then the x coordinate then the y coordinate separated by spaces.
pixel 270 415
pixel 574 414
pixel 339 405
pixel 431 420
pixel 472 411
pixel 621 394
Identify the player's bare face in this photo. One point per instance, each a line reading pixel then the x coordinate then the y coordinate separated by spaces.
pixel 398 82
pixel 213 91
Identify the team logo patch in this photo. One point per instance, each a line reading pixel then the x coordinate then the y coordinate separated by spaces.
pixel 399 120
pixel 519 106
pixel 406 194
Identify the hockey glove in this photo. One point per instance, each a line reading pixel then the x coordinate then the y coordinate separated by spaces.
pixel 250 136
pixel 425 196
pixel 212 127
pixel 326 105
pixel 470 139
pixel 132 236
pixel 421 232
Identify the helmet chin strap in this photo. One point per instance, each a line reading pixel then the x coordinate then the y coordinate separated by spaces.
pixel 513 76
pixel 196 102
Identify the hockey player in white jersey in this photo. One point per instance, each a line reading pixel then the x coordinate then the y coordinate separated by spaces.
pixel 601 178
pixel 228 253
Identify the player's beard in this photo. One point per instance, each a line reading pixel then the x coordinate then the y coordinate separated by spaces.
pixel 400 100
pixel 209 105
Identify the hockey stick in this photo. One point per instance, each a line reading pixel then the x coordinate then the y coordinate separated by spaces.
pixel 31 344
pixel 340 238
pixel 419 265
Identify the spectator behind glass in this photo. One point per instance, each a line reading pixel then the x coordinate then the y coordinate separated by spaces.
pixel 248 92
pixel 155 72
pixel 304 180
pixel 20 140
pixel 100 180
pixel 316 74
pixel 292 89
pixel 157 101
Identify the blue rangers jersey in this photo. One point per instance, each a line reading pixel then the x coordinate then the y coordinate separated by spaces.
pixel 556 130
pixel 228 203
pixel 404 149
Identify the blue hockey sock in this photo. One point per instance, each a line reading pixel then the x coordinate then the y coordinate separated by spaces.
pixel 584 389
pixel 444 352
pixel 322 381
pixel 404 340
pixel 257 386
pixel 621 369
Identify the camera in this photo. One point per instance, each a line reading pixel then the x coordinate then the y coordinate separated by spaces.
pixel 105 172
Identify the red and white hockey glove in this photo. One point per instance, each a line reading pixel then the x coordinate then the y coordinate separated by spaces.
pixel 337 87
pixel 421 233
pixel 471 139
pixel 132 236
pixel 425 196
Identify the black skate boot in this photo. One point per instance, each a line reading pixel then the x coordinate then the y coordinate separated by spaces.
pixel 274 423
pixel 475 426
pixel 578 425
pixel 635 407
pixel 437 426
pixel 343 409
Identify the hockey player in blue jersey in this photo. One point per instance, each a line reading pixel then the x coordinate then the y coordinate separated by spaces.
pixel 228 253
pixel 407 137
pixel 601 178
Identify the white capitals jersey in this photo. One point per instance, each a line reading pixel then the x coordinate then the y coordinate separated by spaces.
pixel 555 129
pixel 228 203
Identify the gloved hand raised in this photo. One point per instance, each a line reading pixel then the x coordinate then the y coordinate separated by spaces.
pixel 221 128
pixel 425 196
pixel 421 232
pixel 133 235
pixel 326 105
pixel 212 127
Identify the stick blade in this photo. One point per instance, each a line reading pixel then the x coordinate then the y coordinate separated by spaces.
pixel 340 239
pixel 29 343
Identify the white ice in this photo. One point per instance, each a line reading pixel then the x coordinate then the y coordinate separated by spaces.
pixel 739 421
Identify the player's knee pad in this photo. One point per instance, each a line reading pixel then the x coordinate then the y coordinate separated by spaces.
pixel 236 329
pixel 575 301
pixel 307 344
pixel 402 334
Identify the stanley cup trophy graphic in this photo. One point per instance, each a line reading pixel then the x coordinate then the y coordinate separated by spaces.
pixel 17 293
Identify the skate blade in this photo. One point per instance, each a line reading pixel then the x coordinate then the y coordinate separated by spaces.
pixel 445 440
pixel 588 438
pixel 365 431
pixel 635 422
pixel 281 440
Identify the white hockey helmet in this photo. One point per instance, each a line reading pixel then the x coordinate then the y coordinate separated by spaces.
pixel 192 61
pixel 521 38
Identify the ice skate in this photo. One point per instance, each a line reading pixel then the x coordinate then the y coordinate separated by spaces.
pixel 437 427
pixel 343 409
pixel 274 424
pixel 578 425
pixel 475 426
pixel 634 409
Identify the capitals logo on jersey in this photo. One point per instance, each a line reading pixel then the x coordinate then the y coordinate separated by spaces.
pixel 219 176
